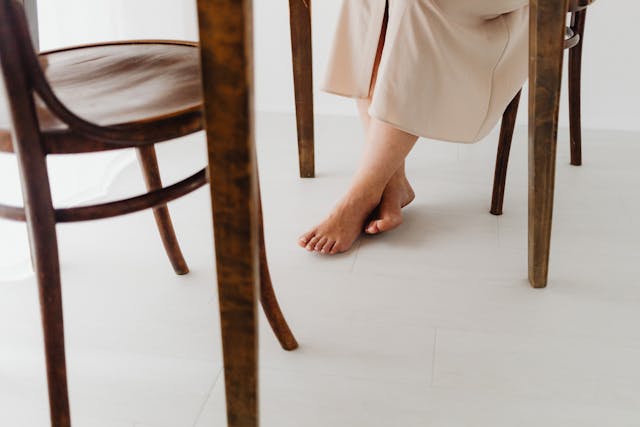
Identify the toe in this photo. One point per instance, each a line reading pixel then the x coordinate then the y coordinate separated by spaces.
pixel 305 238
pixel 388 223
pixel 372 227
pixel 320 244
pixel 337 248
pixel 312 243
pixel 328 246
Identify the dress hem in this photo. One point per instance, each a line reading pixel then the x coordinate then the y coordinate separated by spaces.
pixel 396 125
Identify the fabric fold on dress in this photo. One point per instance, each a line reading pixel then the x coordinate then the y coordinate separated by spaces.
pixel 448 68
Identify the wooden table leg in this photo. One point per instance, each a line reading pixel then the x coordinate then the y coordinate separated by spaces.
pixel 300 20
pixel 227 67
pixel 545 74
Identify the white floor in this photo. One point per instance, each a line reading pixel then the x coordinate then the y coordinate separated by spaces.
pixel 431 325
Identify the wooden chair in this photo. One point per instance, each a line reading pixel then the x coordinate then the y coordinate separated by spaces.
pixel 573 42
pixel 95 98
pixel 300 20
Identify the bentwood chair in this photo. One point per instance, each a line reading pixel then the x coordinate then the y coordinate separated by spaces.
pixel 573 42
pixel 125 95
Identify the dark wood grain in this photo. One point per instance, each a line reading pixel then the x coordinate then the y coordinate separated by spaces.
pixel 502 158
pixel 547 19
pixel 575 86
pixel 39 211
pixel 157 82
pixel 268 297
pixel 151 173
pixel 573 41
pixel 300 24
pixel 119 207
pixel 227 67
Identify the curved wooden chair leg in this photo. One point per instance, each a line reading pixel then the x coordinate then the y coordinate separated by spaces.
pixel 48 273
pixel 502 158
pixel 268 298
pixel 575 76
pixel 300 21
pixel 40 217
pixel 149 165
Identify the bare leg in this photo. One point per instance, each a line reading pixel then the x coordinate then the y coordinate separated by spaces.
pixel 385 151
pixel 398 193
pixel 380 185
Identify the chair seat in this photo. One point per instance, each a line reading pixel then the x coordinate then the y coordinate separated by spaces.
pixel 121 84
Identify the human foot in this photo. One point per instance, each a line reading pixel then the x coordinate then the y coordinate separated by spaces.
pixel 342 227
pixel 396 196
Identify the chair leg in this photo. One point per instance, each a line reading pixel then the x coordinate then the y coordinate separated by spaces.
pixel 502 158
pixel 40 217
pixel 300 21
pixel 149 165
pixel 547 20
pixel 48 273
pixel 575 74
pixel 268 298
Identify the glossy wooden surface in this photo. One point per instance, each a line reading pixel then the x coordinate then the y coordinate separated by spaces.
pixel 159 81
pixel 227 68
pixel 39 211
pixel 502 158
pixel 151 172
pixel 267 295
pixel 300 19
pixel 578 20
pixel 573 42
pixel 547 24
pixel 151 199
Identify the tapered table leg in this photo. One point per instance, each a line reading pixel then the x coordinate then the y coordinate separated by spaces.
pixel 300 21
pixel 545 73
pixel 227 67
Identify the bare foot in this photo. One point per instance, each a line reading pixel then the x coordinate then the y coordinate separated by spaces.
pixel 396 196
pixel 342 227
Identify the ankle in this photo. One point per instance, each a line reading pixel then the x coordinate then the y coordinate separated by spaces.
pixel 399 179
pixel 362 195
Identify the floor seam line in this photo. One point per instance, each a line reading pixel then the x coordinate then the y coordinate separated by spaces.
pixel 433 356
pixel 206 398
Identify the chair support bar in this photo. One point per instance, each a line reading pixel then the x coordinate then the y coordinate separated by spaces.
pixel 571 39
pixel 12 213
pixel 120 207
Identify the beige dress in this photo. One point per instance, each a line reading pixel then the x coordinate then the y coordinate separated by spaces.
pixel 448 67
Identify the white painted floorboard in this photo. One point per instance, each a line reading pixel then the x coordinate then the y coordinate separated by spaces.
pixel 432 325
